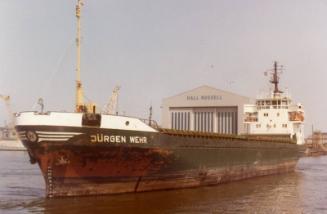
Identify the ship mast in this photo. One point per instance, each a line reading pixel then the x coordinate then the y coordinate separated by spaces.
pixel 80 107
pixel 275 79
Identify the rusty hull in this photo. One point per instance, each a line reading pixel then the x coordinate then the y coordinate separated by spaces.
pixel 168 161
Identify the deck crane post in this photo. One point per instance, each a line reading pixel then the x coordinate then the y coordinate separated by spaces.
pixel 111 106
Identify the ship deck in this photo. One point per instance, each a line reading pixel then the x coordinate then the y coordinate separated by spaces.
pixel 254 138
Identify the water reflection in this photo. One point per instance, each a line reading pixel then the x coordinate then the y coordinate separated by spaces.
pixel 22 190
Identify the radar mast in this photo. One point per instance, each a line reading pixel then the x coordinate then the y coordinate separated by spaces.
pixel 275 77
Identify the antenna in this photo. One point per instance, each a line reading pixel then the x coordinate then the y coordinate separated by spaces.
pixel 80 107
pixel 150 115
pixel 275 77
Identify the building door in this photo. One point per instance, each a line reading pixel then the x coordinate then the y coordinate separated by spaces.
pixel 180 120
pixel 204 121
pixel 226 120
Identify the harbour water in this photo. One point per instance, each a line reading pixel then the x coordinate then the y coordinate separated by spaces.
pixel 304 191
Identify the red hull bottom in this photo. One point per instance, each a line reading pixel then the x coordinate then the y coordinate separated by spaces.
pixel 62 187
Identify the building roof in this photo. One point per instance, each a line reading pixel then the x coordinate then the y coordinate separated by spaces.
pixel 206 87
pixel 205 96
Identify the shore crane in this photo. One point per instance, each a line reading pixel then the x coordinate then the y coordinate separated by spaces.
pixel 6 99
pixel 111 106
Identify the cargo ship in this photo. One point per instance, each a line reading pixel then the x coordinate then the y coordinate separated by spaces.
pixel 88 153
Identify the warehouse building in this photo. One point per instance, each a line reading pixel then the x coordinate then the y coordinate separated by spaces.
pixel 204 109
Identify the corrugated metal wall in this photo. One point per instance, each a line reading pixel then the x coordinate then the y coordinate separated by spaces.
pixel 220 119
pixel 180 120
pixel 203 121
pixel 227 121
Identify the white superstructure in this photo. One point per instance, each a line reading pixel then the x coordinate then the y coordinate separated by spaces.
pixel 275 114
pixel 78 120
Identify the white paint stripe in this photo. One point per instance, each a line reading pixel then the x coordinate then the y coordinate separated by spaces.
pixel 55 136
pixel 73 133
pixel 58 134
pixel 53 139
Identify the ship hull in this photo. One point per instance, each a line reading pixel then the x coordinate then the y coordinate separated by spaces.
pixel 104 161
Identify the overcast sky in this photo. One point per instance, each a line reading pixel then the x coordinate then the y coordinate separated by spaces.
pixel 159 48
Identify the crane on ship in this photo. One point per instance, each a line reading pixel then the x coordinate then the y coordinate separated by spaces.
pixel 80 105
pixel 111 106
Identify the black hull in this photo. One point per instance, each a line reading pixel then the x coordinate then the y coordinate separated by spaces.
pixel 93 162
